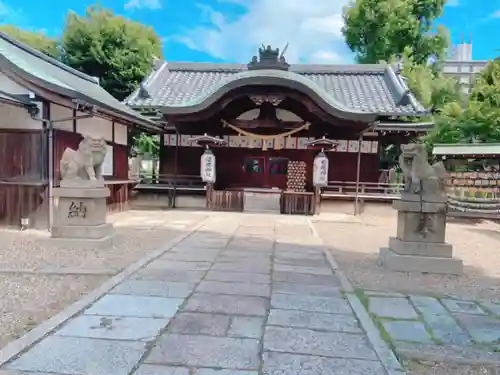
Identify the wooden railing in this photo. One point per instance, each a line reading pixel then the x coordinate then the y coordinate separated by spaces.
pixel 293 203
pixel 171 181
pixel 366 190
pixel 225 200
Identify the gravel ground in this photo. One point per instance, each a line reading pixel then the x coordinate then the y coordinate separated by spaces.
pixel 419 368
pixel 135 233
pixel 356 244
pixel 26 300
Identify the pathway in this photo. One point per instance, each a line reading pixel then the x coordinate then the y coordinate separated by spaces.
pixel 243 295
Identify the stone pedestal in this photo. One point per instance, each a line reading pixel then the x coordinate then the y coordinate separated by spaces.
pixel 80 214
pixel 420 242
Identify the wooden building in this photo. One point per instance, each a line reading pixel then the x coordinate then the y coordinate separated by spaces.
pixel 45 106
pixel 269 115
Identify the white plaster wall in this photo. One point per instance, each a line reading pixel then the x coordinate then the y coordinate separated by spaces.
pixel 95 127
pixel 121 134
pixel 58 112
pixel 12 117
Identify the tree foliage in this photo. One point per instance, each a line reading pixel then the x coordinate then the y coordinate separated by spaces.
pixel 116 50
pixel 38 40
pixel 429 85
pixel 146 144
pixel 378 30
pixel 479 121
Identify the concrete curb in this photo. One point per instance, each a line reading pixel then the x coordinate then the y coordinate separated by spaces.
pixel 384 353
pixel 15 347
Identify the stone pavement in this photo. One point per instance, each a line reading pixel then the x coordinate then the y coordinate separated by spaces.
pixel 432 328
pixel 244 295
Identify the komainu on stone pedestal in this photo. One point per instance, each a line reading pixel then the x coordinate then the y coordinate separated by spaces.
pixel 80 213
pixel 420 242
pixel 84 163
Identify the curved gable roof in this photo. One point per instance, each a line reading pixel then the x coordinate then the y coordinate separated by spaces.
pixel 363 92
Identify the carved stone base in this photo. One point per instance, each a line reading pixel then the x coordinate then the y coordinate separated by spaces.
pixel 417 263
pixel 425 249
pixel 80 215
pixel 420 242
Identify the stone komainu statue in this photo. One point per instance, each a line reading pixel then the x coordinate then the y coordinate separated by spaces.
pixel 85 162
pixel 421 177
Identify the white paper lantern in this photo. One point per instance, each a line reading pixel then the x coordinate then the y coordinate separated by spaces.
pixel 207 166
pixel 320 171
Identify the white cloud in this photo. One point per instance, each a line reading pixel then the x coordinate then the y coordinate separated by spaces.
pixel 143 4
pixel 452 3
pixel 495 14
pixel 312 29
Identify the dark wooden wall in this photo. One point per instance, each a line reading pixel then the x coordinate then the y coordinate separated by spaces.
pixel 23 174
pixel 21 154
pixel 230 161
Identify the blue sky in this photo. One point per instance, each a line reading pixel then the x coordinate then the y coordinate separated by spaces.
pixel 231 30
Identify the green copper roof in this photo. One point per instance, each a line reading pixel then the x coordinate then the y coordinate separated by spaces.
pixel 471 149
pixel 48 73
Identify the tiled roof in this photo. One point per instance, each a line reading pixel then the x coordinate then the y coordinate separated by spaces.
pixel 358 88
pixel 53 75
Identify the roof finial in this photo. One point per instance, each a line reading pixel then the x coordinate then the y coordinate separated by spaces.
pixel 269 58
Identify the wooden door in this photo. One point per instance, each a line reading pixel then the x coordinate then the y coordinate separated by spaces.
pixel 255 171
pixel 276 172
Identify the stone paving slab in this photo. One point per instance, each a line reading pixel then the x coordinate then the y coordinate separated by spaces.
pixel 227 304
pixel 243 289
pixel 246 267
pixel 153 288
pixel 70 355
pixel 326 344
pixel 206 351
pixel 312 320
pixel 113 328
pixel 135 306
pixel 303 269
pixel 200 324
pixel 407 331
pixel 332 305
pixel 305 278
pixel 246 326
pixel 307 289
pixel 154 273
pixel 457 330
pixel 391 307
pixel 218 305
pixel 294 364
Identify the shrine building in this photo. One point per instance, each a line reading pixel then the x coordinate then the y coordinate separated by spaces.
pixel 265 122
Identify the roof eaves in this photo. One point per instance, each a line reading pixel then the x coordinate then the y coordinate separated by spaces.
pixel 47 58
pixel 401 91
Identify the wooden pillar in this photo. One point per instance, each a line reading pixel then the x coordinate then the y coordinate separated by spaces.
pixel 210 188
pixel 358 171
pixel 317 200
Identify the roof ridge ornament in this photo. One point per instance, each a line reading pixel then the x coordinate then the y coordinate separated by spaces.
pixel 269 58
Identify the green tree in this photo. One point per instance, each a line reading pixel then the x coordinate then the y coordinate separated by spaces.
pixel 429 85
pixel 113 48
pixel 38 40
pixel 382 29
pixel 479 121
pixel 146 144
